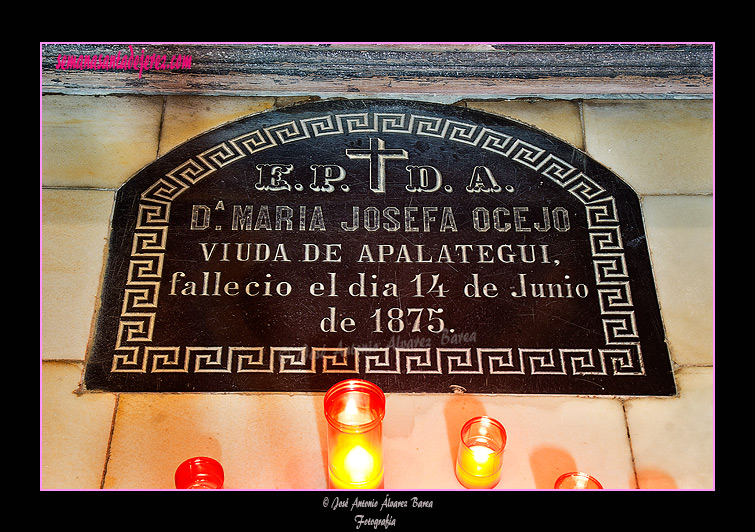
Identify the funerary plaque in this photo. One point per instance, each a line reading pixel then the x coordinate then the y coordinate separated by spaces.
pixel 426 248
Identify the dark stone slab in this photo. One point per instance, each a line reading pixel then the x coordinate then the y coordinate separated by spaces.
pixel 426 248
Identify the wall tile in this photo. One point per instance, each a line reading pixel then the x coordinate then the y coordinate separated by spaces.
pixel 74 431
pixel 75 226
pixel 672 439
pixel 657 146
pixel 189 116
pixel 559 118
pixel 547 436
pixel 264 441
pixel 680 236
pixel 97 142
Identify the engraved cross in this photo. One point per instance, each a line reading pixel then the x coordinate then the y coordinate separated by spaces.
pixel 377 155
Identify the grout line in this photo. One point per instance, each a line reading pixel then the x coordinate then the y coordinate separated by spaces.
pixel 75 187
pixel 629 439
pixel 679 194
pixel 580 107
pixel 160 126
pixel 109 442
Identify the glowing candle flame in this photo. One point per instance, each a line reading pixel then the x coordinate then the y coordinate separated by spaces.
pixel 353 413
pixel 359 463
pixel 481 454
pixel 350 411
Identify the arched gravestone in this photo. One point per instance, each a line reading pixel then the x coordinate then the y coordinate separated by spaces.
pixel 426 248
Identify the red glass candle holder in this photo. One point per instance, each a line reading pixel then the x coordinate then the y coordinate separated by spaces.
pixel 199 473
pixel 577 481
pixel 354 410
pixel 480 454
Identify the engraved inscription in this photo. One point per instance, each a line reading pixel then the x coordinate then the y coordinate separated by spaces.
pixel 413 245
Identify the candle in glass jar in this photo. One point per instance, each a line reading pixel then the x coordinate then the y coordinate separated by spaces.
pixel 354 410
pixel 199 473
pixel 480 454
pixel 577 481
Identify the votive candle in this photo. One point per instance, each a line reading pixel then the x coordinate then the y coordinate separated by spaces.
pixel 577 481
pixel 480 454
pixel 354 410
pixel 199 472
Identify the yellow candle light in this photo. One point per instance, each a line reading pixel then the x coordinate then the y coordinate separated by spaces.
pixel 354 409
pixel 480 455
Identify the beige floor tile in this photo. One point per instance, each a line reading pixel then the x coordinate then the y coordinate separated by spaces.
pixel 262 441
pixel 189 116
pixel 74 235
pixel 75 430
pixel 672 439
pixel 547 436
pixel 657 146
pixel 680 236
pixel 551 436
pixel 247 434
pixel 97 142
pixel 559 118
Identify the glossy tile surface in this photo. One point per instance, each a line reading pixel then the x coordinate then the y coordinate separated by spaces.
pixel 559 118
pixel 680 229
pixel 97 141
pixel 74 239
pixel 657 146
pixel 188 116
pixel 74 430
pixel 673 440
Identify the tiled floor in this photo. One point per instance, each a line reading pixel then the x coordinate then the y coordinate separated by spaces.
pixel 90 145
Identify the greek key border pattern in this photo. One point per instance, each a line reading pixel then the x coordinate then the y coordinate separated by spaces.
pixel 622 360
pixel 138 312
